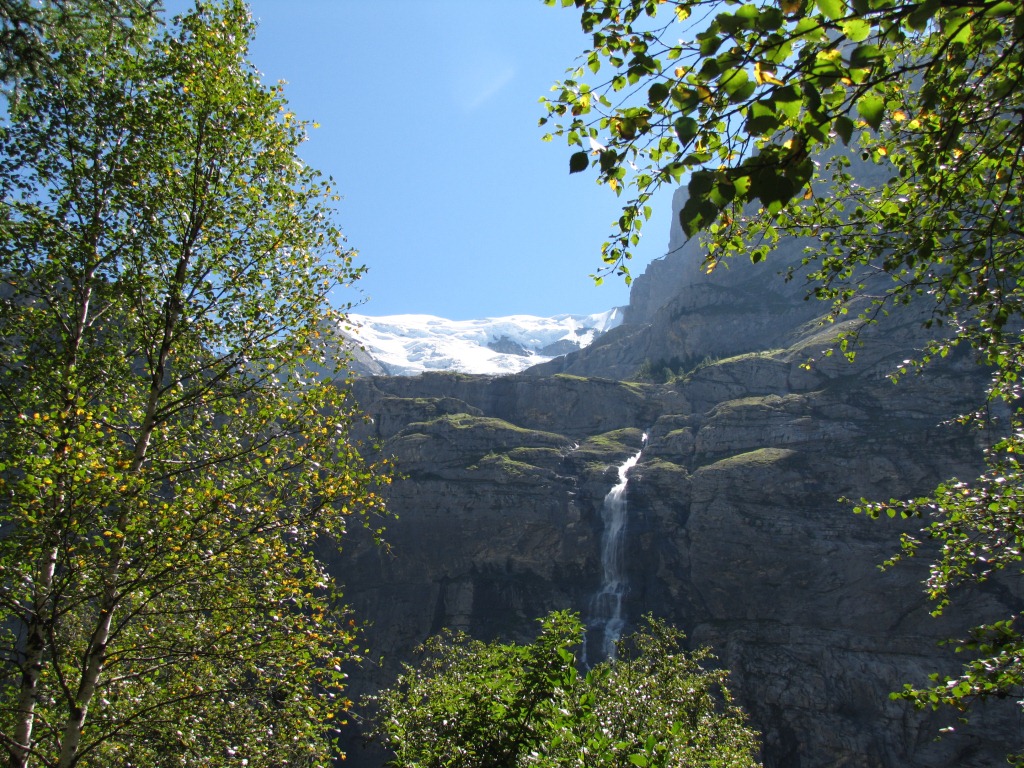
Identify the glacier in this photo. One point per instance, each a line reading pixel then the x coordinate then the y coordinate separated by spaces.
pixel 406 345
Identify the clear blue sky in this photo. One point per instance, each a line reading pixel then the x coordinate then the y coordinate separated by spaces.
pixel 428 116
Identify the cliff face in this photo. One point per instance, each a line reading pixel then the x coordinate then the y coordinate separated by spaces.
pixel 679 316
pixel 733 531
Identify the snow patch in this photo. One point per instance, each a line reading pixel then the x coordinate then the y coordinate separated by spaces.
pixel 406 345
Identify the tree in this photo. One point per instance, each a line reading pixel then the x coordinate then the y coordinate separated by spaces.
pixel 471 703
pixel 171 443
pixel 25 28
pixel 762 108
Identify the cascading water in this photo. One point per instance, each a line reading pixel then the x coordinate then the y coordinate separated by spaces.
pixel 606 621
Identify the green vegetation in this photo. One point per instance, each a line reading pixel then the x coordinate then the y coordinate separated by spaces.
pixel 471 704
pixel 513 435
pixel 508 466
pixel 676 369
pixel 758 456
pixel 762 108
pixel 536 456
pixel 679 433
pixel 470 421
pixel 168 451
pixel 671 370
pixel 632 386
pixel 490 423
pixel 654 467
pixel 661 371
pixel 31 30
pixel 610 446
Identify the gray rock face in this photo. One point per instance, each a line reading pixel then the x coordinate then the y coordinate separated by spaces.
pixel 734 531
pixel 679 316
pixel 668 277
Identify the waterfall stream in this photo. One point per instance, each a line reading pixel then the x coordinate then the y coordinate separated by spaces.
pixel 606 619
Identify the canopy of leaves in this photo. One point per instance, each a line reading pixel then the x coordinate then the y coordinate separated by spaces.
pixel 493 704
pixel 762 109
pixel 30 30
pixel 172 439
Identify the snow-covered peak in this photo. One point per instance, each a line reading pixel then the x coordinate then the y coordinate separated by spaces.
pixel 406 345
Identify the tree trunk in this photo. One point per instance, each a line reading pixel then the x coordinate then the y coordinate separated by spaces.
pixel 32 666
pixel 95 655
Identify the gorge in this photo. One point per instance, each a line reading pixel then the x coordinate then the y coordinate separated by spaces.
pixel 736 529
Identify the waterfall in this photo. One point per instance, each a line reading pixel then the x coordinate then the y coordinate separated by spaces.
pixel 606 620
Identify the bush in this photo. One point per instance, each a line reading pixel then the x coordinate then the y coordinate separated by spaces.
pixel 471 704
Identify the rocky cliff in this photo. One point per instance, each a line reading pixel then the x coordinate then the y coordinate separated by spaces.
pixel 734 531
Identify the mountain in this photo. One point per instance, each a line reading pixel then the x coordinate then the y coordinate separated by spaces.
pixel 733 528
pixel 404 345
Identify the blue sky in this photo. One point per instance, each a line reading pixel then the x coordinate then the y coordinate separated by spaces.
pixel 428 116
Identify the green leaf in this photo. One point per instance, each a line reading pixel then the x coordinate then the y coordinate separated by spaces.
pixel 865 55
pixel 923 13
pixel 609 158
pixel 812 96
pixel 697 214
pixel 737 84
pixel 856 30
pixel 709 44
pixel 710 69
pixel 657 93
pixel 579 161
pixel 762 118
pixel 808 27
pixel 871 107
pixel 749 15
pixel 723 193
pixel 701 183
pixel 844 126
pixel 963 34
pixel 771 19
pixel 1003 9
pixel 788 101
pixel 685 99
pixel 741 183
pixel 686 129
pixel 833 9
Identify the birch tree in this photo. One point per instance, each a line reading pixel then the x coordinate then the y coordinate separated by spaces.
pixel 170 445
pixel 27 27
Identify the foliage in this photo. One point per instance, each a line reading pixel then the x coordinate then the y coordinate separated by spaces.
pixel 27 28
pixel 494 704
pixel 675 368
pixel 170 446
pixel 981 530
pixel 471 703
pixel 891 135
